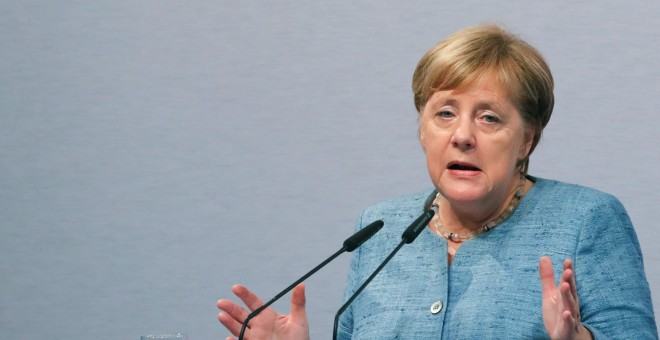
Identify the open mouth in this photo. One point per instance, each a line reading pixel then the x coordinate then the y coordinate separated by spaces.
pixel 462 166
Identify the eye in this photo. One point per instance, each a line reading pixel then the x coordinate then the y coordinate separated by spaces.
pixel 444 114
pixel 490 118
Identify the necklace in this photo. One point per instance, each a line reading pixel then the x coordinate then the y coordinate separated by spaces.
pixel 459 238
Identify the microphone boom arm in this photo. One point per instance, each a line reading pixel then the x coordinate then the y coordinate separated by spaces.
pixel 350 244
pixel 409 235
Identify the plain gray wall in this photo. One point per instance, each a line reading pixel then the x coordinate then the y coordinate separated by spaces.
pixel 153 153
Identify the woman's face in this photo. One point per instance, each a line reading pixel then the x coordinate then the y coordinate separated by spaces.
pixel 473 137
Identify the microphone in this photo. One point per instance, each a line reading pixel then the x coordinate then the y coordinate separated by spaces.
pixel 349 245
pixel 409 235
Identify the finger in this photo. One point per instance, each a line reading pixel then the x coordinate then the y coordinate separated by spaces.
pixel 568 277
pixel 233 310
pixel 251 300
pixel 298 300
pixel 230 323
pixel 568 299
pixel 547 275
pixel 568 265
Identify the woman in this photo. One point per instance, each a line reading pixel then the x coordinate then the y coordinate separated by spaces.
pixel 483 98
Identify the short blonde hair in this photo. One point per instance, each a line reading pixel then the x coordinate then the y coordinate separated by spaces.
pixel 466 55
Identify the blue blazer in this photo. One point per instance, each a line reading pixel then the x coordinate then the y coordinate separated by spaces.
pixel 492 289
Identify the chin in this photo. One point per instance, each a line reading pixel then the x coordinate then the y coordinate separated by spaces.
pixel 465 197
pixel 462 192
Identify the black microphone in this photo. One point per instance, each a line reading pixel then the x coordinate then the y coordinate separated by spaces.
pixel 408 236
pixel 349 245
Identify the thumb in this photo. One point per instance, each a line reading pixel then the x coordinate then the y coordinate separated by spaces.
pixel 298 304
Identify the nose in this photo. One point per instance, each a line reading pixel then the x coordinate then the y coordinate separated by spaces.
pixel 463 136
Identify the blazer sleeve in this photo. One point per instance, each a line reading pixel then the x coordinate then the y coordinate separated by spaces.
pixel 614 295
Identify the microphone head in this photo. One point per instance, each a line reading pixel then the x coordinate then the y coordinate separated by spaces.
pixel 416 228
pixel 362 235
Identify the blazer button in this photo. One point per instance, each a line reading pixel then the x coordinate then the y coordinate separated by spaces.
pixel 436 307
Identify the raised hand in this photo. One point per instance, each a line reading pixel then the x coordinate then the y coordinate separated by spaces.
pixel 561 307
pixel 268 324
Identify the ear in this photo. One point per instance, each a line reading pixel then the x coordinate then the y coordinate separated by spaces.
pixel 526 146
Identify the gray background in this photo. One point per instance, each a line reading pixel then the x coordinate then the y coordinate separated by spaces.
pixel 153 153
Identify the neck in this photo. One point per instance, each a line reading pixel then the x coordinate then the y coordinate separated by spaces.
pixel 470 217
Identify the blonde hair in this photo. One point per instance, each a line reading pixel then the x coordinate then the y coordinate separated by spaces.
pixel 466 55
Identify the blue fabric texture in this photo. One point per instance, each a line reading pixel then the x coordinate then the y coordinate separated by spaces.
pixel 492 289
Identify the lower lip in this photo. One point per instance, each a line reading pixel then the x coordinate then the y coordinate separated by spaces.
pixel 464 173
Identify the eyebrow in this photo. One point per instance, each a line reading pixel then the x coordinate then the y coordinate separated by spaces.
pixel 483 105
pixel 490 105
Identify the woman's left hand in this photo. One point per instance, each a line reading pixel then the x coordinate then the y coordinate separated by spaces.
pixel 561 307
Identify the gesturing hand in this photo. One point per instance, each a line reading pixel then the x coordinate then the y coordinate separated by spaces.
pixel 561 307
pixel 268 324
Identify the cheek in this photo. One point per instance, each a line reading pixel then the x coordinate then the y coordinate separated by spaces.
pixel 433 165
pixel 516 144
pixel 503 156
pixel 435 152
pixel 420 137
pixel 424 134
pixel 432 143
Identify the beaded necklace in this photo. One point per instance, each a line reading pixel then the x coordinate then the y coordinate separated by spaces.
pixel 460 238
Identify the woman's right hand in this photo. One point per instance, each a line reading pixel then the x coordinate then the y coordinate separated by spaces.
pixel 268 324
